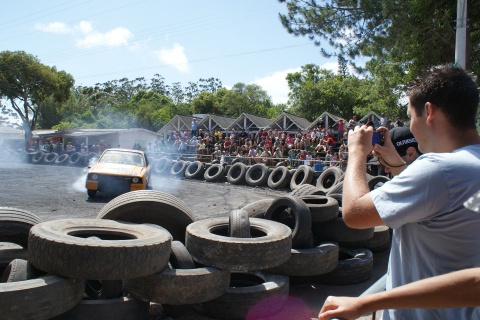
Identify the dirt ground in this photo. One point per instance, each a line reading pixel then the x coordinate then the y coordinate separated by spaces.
pixel 55 192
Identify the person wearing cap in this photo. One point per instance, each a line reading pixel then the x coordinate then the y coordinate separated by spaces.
pixel 401 141
pixel 433 232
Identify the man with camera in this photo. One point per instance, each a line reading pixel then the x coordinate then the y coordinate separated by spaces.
pixel 434 233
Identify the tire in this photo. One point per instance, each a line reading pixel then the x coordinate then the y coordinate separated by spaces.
pixel 151 206
pixel 294 213
pixel 19 270
pixel 354 266
pixel 126 250
pixel 178 169
pixel 239 224
pixel 336 189
pixel 237 160
pixel 209 244
pixel 41 298
pixel 15 225
pixel 257 208
pixel 8 255
pixel 337 230
pixel 195 170
pixel 310 262
pixel 376 181
pixel 76 159
pixel 303 175
pixel 380 241
pixel 214 173
pixel 257 175
pixel 329 178
pixel 279 178
pixel 322 208
pixel 38 157
pixel 180 286
pixel 254 295
pixel 50 158
pixel 125 308
pixel 339 198
pixel 180 258
pixel 237 173
pixel 162 166
pixel 62 160
pixel 307 190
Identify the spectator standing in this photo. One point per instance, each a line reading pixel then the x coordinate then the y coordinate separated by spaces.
pixel 433 232
pixel 383 120
pixel 194 131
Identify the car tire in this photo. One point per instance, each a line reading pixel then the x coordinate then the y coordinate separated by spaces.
pixel 257 208
pixel 62 160
pixel 253 295
pixel 239 224
pixel 306 190
pixel 236 174
pixel 40 298
pixel 303 175
pixel 322 208
pixel 195 170
pixel 178 169
pixel 76 159
pixel 279 178
pixel 257 175
pixel 294 213
pixel 38 157
pixel 50 158
pixel 129 250
pixel 310 262
pixel 214 173
pixel 209 244
pixel 151 206
pixel 15 225
pixel 329 178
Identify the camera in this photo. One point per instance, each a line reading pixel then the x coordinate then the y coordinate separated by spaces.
pixel 377 138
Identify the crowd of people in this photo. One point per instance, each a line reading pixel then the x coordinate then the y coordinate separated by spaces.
pixel 321 144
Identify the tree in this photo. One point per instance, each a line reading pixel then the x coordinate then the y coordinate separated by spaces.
pixel 314 91
pixel 411 34
pixel 27 85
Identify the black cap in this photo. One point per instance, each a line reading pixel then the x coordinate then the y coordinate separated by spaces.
pixel 402 138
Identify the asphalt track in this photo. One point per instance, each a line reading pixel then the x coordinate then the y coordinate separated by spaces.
pixel 56 192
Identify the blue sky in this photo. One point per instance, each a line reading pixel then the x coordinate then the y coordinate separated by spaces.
pixel 98 40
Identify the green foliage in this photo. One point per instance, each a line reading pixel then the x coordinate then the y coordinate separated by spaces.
pixel 31 86
pixel 411 35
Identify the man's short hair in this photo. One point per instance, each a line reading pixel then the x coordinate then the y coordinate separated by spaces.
pixel 402 138
pixel 451 89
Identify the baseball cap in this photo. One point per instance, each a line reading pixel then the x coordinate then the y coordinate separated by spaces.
pixel 402 138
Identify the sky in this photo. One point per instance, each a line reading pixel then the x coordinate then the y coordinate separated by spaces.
pixel 183 41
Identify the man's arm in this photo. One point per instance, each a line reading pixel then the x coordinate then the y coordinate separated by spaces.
pixel 358 208
pixel 453 290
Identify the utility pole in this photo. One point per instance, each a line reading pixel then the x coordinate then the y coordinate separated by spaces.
pixel 461 34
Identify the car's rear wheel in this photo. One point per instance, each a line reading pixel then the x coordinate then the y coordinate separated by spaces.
pixel 92 193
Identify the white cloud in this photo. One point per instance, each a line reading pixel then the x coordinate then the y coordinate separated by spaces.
pixel 53 27
pixel 276 85
pixel 112 38
pixel 174 57
pixel 89 36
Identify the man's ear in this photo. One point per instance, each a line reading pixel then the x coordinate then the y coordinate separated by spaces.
pixel 430 111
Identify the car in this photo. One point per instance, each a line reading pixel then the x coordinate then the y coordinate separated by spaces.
pixel 118 171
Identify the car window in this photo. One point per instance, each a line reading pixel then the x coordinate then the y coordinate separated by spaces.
pixel 122 158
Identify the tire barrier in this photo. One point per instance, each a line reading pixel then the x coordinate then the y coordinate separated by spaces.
pixel 76 159
pixel 254 295
pixel 125 250
pixel 62 160
pixel 162 166
pixel 178 169
pixel 329 178
pixel 237 173
pixel 15 225
pixel 50 158
pixel 209 244
pixel 214 172
pixel 38 157
pixel 303 175
pixel 257 175
pixel 195 170
pixel 151 207
pixel 279 178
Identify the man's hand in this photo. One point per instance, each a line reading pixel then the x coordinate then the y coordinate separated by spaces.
pixel 360 141
pixel 341 308
pixel 387 154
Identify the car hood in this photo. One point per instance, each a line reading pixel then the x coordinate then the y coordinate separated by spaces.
pixel 117 169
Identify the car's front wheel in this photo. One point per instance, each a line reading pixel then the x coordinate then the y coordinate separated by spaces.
pixel 92 193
